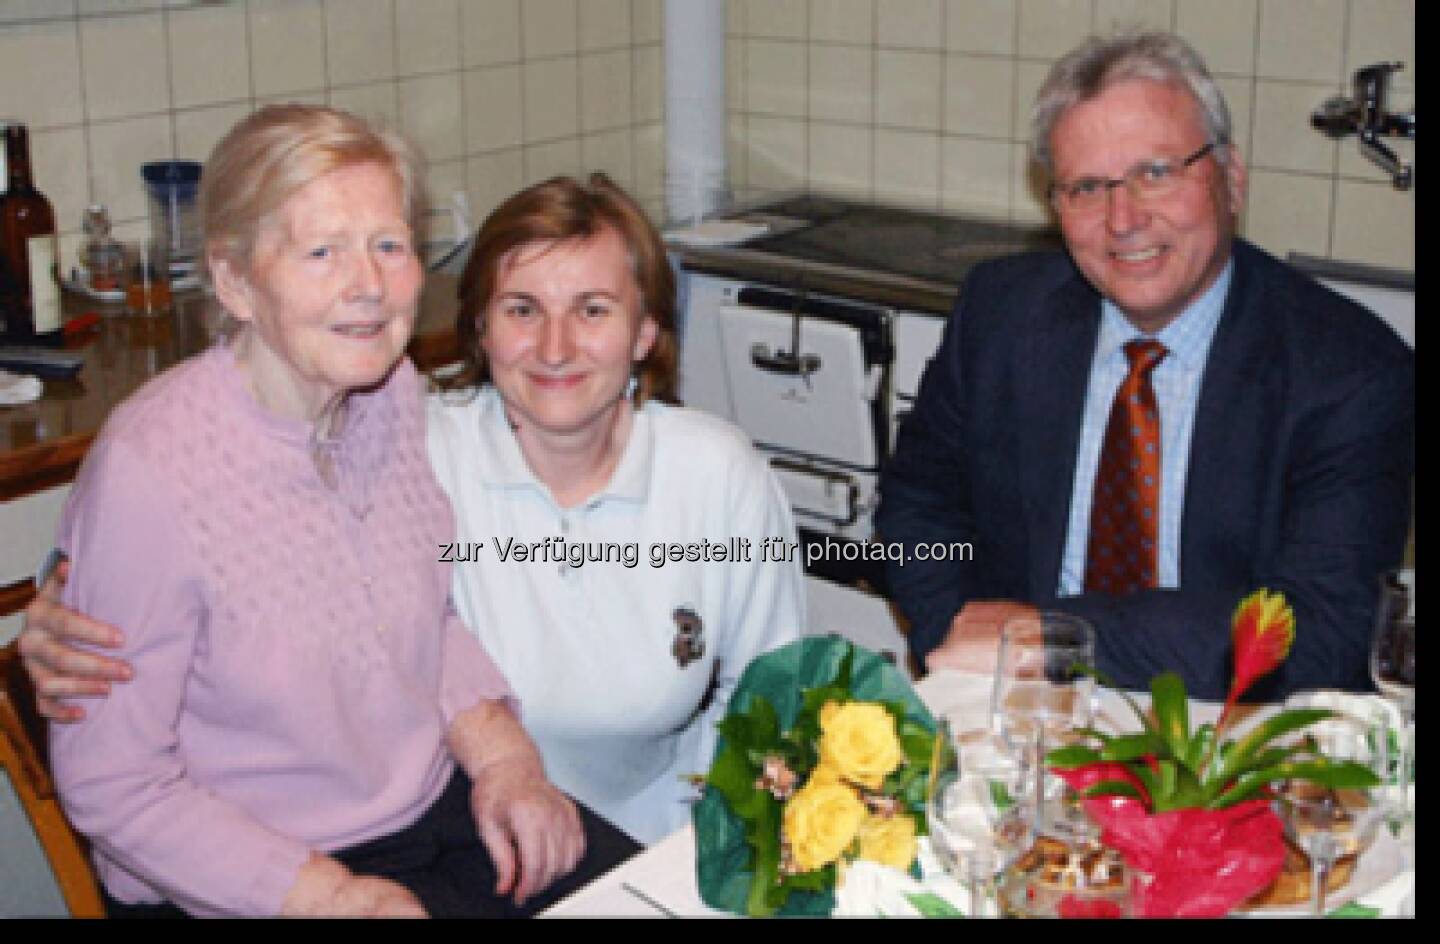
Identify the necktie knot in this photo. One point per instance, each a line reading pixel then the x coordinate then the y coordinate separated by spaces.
pixel 1144 355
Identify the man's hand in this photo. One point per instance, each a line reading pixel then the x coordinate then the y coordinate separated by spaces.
pixel 57 668
pixel 973 643
pixel 326 889
pixel 531 830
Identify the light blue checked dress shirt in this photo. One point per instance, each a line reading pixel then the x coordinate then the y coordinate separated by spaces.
pixel 1177 390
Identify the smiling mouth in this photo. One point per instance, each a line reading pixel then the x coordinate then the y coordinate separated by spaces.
pixel 1139 255
pixel 363 331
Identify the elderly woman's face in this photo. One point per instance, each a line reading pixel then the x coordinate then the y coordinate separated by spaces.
pixel 564 330
pixel 333 282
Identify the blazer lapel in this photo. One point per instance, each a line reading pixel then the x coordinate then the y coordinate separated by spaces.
pixel 1053 374
pixel 1228 443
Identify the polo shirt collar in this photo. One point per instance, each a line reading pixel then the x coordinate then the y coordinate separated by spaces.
pixel 501 464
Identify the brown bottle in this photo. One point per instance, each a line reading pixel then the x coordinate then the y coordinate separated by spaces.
pixel 28 246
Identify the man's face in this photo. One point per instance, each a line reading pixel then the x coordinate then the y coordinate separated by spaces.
pixel 1151 258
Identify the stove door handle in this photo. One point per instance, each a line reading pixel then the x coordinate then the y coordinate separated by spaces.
pixel 785 363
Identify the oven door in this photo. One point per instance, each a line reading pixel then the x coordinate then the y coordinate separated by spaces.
pixel 808 377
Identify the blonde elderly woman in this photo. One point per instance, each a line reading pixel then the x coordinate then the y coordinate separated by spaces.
pixel 311 729
pixel 576 485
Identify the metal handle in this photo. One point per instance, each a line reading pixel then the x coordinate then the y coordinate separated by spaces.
pixel 785 363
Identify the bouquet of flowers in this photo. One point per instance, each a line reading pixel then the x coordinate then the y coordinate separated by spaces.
pixel 823 759
pixel 1190 810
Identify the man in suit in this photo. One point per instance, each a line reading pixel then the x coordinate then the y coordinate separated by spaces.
pixel 1143 429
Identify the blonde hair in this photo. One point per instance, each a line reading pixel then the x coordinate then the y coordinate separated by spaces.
pixel 558 209
pixel 274 153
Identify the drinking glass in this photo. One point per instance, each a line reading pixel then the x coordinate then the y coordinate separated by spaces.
pixel 1392 668
pixel 974 822
pixel 1330 822
pixel 1040 693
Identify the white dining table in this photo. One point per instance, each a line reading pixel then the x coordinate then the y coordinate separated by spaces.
pixel 660 882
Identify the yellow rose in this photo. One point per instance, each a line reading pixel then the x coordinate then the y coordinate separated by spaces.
pixel 889 840
pixel 858 740
pixel 820 822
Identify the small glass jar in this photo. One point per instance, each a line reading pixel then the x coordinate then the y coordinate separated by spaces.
pixel 102 256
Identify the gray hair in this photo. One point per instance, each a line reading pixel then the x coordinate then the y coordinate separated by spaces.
pixel 1101 62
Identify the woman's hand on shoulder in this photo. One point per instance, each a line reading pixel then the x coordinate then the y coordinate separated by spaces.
pixel 326 889
pixel 58 669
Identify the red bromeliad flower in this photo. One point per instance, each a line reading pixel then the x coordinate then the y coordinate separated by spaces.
pixel 1262 630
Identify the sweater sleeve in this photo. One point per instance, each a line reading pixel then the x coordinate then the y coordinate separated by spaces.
pixel 468 674
pixel 121 772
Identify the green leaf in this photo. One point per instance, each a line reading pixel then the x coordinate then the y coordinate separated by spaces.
pixel 1128 747
pixel 1201 743
pixel 931 905
pixel 1326 773
pixel 1273 727
pixel 763 835
pixel 1172 712
pixel 1074 755
pixel 1355 910
pixel 1114 788
pixel 1000 796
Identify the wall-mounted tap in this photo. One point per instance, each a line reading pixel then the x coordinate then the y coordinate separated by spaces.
pixel 1364 114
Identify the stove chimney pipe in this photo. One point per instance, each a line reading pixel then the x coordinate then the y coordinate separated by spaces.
pixel 695 181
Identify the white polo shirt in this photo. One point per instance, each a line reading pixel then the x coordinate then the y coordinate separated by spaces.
pixel 590 648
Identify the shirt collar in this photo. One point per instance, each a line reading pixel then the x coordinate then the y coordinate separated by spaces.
pixel 501 464
pixel 1187 338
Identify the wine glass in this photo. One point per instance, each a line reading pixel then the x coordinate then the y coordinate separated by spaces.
pixel 1040 693
pixel 971 807
pixel 1392 668
pixel 1327 823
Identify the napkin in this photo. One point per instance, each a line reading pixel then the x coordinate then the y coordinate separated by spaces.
pixel 870 889
pixel 16 389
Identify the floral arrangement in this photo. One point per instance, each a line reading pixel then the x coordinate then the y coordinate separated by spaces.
pixel 1190 810
pixel 823 760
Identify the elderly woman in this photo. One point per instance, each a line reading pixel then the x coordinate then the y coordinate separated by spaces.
pixel 312 730
pixel 556 438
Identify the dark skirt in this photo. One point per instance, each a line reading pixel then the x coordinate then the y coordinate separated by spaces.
pixel 441 859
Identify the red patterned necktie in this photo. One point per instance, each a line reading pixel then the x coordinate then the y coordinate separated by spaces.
pixel 1125 508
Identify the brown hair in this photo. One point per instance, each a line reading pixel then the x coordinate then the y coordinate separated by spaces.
pixel 272 154
pixel 562 208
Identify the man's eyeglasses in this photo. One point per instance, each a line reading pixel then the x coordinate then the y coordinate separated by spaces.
pixel 1147 180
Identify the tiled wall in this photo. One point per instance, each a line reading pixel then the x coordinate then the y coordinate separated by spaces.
pixel 926 102
pixel 498 93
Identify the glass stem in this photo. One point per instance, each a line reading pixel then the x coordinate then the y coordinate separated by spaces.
pixel 1039 780
pixel 1319 877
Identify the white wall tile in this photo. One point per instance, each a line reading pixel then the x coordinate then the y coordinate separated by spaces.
pixel 647 21
pixel 1051 28
pixel 1289 212
pixel 908 87
pixel 648 87
pixel 777 19
pixel 840 159
pixel 117 149
pixel 975 177
pixel 1282 138
pixel 1301 39
pixel 549 27
pixel 198 130
pixel 287 46
pixel 1222 31
pixel 842 84
pixel 777 158
pixel 604 24
pixel 62 173
pixel 490 32
pixel 493 105
pixel 125 66
pixel 552 99
pixel 979 95
pixel 907 168
pixel 552 159
pixel 20 11
pixel 1113 15
pixel 1029 76
pixel 1374 223
pixel 427 36
pixel 911 24
pixel 649 143
pixel 1382 31
pixel 378 103
pixel 735 73
pixel 40 81
pixel 986 26
pixel 605 100
pixel 1027 189
pixel 359 41
pixel 490 178
pixel 611 152
pixel 775 77
pixel 843 21
pixel 430 109
pixel 209 56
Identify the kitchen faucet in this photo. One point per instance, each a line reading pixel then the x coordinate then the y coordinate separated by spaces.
pixel 1364 114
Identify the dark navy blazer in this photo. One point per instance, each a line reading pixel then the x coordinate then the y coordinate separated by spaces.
pixel 1299 478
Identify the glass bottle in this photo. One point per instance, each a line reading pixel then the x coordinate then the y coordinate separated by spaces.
pixel 27 241
pixel 103 258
